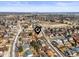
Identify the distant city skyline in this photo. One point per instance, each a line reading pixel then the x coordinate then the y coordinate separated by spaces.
pixel 39 6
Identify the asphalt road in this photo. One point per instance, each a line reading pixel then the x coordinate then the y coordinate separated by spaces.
pixel 52 47
pixel 15 40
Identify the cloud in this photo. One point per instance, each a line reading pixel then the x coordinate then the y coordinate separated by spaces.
pixel 44 6
pixel 68 3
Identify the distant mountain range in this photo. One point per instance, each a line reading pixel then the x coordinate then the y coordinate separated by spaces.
pixel 66 13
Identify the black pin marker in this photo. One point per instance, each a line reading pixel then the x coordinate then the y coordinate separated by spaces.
pixel 37 29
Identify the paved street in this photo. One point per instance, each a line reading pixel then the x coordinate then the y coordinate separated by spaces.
pixel 15 40
pixel 52 47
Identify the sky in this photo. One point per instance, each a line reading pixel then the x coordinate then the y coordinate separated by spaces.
pixel 39 6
